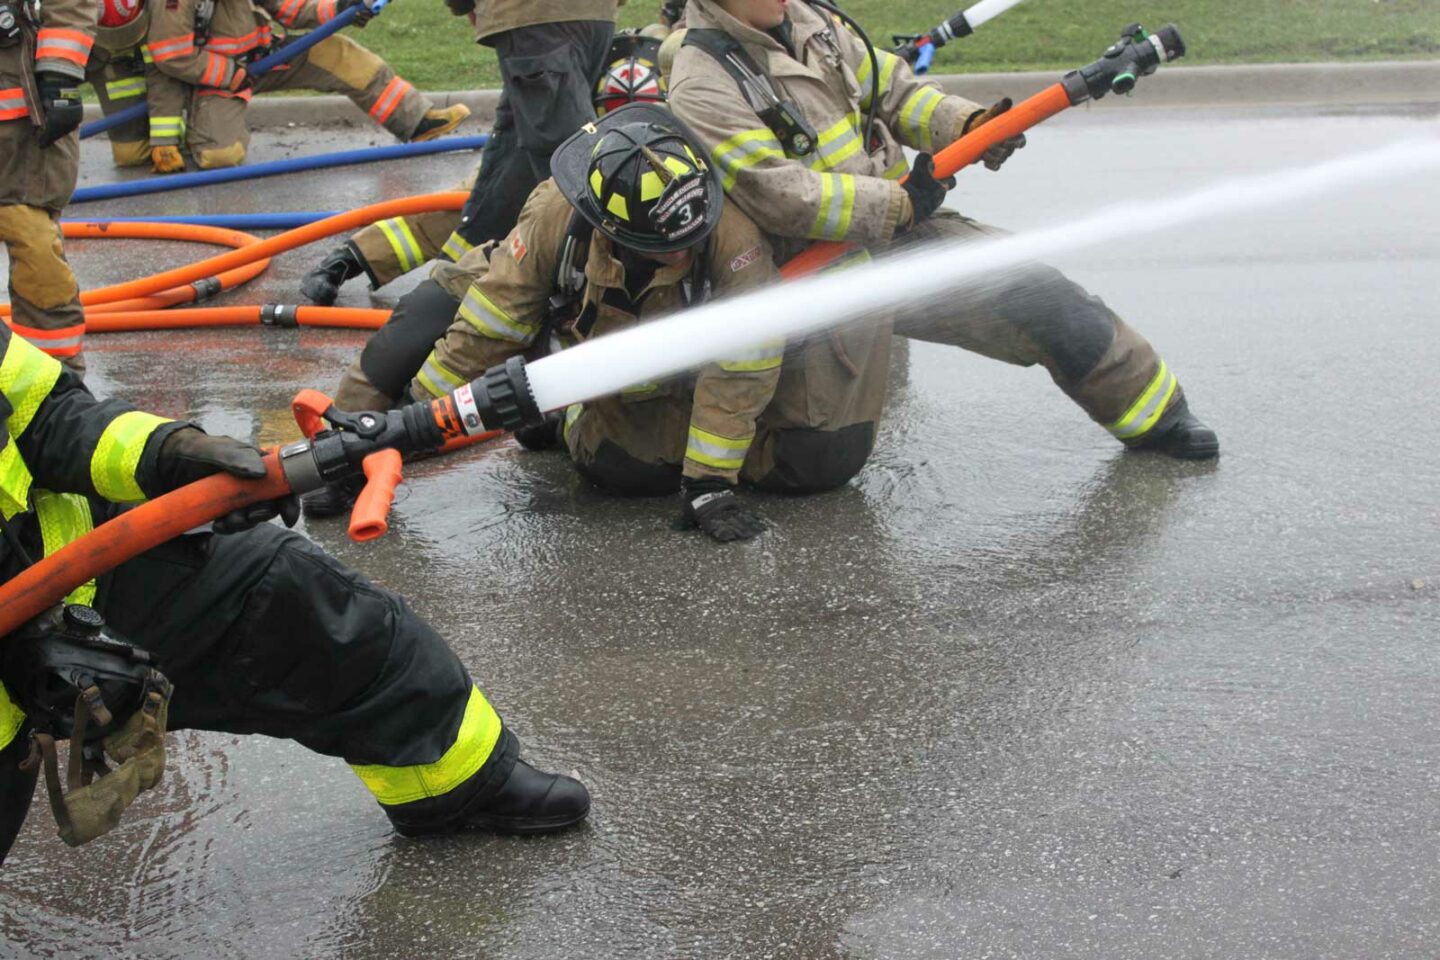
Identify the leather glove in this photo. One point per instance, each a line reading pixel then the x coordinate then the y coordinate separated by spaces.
pixel 190 454
pixel 166 159
pixel 999 153
pixel 363 17
pixel 60 103
pixel 711 505
pixel 925 192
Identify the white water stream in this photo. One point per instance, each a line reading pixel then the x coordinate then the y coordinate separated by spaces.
pixel 795 309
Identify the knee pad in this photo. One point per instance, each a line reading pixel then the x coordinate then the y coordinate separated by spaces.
pixel 135 153
pixel 231 156
pixel 347 61
pixel 616 472
pixel 1071 326
pixel 397 351
pixel 812 461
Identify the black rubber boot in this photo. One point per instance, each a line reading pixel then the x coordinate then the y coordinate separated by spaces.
pixel 507 796
pixel 331 500
pixel 1181 435
pixel 322 285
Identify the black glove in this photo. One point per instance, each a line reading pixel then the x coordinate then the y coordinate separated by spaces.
pixel 999 153
pixel 363 17
pixel 926 193
pixel 60 105
pixel 711 505
pixel 190 454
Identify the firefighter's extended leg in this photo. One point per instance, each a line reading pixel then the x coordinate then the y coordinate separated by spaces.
pixel 631 445
pixel 263 633
pixel 548 74
pixel 380 377
pixel 338 64
pixel 383 251
pixel 119 82
pixel 44 297
pixel 1037 315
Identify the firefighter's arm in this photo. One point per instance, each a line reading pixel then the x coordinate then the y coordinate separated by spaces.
pixel 171 47
pixel 67 32
pixel 505 306
pixel 72 442
pixel 915 110
pixel 784 196
pixel 731 393
pixel 305 14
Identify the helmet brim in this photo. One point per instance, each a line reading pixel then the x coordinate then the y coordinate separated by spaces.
pixel 570 166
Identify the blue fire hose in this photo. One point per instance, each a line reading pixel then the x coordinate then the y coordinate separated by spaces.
pixel 286 53
pixel 183 181
pixel 230 221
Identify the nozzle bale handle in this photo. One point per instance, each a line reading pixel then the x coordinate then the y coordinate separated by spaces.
pixel 382 475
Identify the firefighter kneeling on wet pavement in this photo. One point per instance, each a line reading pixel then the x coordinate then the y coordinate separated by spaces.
pixel 188 60
pixel 254 628
pixel 632 226
pixel 806 122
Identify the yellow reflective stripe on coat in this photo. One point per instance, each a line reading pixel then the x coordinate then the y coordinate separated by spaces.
pixel 834 146
pixel 713 450
pixel 837 205
pixel 27 375
pixel 888 62
pixel 456 247
pixel 170 128
pixel 112 467
pixel 1147 409
pixel 65 518
pixel 402 241
pixel 762 356
pixel 572 413
pixel 438 379
pixel 478 311
pixel 743 151
pixel 124 89
pixel 11 717
pixel 915 114
pixel 479 729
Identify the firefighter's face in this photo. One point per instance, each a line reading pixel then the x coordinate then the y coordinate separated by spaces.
pixel 760 14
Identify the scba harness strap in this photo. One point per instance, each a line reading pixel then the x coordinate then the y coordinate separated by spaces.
pixel 783 118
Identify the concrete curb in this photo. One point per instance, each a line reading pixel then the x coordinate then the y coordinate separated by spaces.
pixel 1267 85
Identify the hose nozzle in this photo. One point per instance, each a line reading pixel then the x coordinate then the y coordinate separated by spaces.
pixel 499 399
pixel 1136 54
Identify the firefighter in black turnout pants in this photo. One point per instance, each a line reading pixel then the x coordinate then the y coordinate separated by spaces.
pixel 259 631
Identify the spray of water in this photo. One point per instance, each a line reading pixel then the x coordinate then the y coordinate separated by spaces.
pixel 793 310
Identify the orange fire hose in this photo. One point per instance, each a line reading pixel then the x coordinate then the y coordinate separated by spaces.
pixel 130 321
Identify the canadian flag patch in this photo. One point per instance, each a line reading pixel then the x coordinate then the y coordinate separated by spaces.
pixel 517 248
pixel 745 259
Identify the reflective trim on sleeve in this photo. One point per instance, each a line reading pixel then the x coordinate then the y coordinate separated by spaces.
pixel 112 467
pixel 837 205
pixel 125 88
pixel 572 413
pixel 167 128
pixel 491 321
pixel 54 43
pixel 743 151
pixel 1143 413
pixel 12 104
pixel 888 62
pixel 716 451
pixel 915 114
pixel 11 718
pixel 289 10
pixel 899 171
pixel 835 146
pixel 325 12
pixel 235 46
pixel 65 518
pixel 171 48
pixel 475 740
pixel 59 342
pixel 456 247
pixel 763 356
pixel 27 376
pixel 403 242
pixel 395 91
pixel 438 379
pixel 216 68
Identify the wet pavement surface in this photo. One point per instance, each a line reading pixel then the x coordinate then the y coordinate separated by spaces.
pixel 1011 693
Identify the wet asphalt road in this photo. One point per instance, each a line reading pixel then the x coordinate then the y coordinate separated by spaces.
pixel 1012 693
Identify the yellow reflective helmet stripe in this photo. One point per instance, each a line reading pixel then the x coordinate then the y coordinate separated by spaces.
pixel 402 241
pixel 478 311
pixel 743 151
pixel 713 450
pixel 112 466
pixel 650 185
pixel 65 518
pixel 1147 408
pixel 915 114
pixel 837 206
pixel 11 717
pixel 438 379
pixel 479 729
pixel 618 206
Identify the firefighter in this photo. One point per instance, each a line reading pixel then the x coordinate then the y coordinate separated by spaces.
pixel 631 227
pixel 391 248
pixel 258 630
pixel 121 78
pixel 551 54
pixel 783 96
pixel 206 45
pixel 43 51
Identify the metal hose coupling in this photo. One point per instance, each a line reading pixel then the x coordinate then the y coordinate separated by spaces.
pixel 499 399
